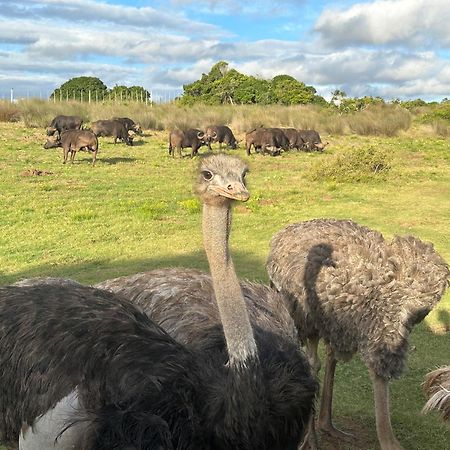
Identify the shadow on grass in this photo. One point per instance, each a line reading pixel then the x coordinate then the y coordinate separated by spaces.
pixel 444 319
pixel 116 160
pixel 138 143
pixel 94 271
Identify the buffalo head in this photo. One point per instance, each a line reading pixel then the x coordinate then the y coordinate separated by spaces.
pixel 53 142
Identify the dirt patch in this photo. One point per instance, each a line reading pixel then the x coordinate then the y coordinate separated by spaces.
pixel 360 437
pixel 35 173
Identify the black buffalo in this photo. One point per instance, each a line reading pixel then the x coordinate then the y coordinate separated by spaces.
pixel 312 140
pixel 113 128
pixel 266 140
pixel 73 140
pixel 295 139
pixel 63 123
pixel 193 138
pixel 221 134
pixel 130 124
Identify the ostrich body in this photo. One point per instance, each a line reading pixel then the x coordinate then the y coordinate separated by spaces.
pixel 437 388
pixel 346 285
pixel 257 391
pixel 136 385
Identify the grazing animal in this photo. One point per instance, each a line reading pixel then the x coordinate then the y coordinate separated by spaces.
pixel 63 123
pixel 130 124
pixel 294 138
pixel 346 285
pixel 263 391
pixel 312 140
pixel 437 389
pixel 263 139
pixel 221 134
pixel 179 139
pixel 74 140
pixel 114 128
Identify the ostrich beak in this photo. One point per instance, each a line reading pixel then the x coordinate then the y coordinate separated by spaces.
pixel 234 190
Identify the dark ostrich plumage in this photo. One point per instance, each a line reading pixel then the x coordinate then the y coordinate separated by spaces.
pixel 437 388
pixel 56 335
pixel 136 385
pixel 359 293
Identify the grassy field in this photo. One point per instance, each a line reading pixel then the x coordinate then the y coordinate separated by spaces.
pixel 136 211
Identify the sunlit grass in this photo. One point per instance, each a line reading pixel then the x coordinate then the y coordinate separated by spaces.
pixel 136 211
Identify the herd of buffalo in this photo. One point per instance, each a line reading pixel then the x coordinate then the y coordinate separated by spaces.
pixel 67 132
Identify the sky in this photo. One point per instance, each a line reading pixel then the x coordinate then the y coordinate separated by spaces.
pixel 388 48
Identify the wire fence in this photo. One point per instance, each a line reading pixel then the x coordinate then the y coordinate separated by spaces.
pixel 93 96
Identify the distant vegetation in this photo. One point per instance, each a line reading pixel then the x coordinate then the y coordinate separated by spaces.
pixel 376 119
pixel 87 89
pixel 243 102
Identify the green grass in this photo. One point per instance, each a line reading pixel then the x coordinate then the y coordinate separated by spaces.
pixel 136 211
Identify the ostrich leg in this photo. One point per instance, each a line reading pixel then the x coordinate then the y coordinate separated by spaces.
pixel 385 434
pixel 310 439
pixel 325 422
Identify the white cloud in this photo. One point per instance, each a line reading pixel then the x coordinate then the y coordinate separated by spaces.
pixel 51 49
pixel 411 23
pixel 73 12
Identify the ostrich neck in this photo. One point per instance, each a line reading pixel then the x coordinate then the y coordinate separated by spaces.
pixel 238 331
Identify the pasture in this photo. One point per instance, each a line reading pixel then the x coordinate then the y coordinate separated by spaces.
pixel 136 211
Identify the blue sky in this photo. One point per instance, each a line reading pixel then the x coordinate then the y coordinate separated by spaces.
pixel 391 48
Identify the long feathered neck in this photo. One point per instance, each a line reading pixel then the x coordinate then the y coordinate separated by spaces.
pixel 238 331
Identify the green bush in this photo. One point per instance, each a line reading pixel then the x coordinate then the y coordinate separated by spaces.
pixel 352 165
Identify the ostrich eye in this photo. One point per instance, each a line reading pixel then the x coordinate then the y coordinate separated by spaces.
pixel 207 175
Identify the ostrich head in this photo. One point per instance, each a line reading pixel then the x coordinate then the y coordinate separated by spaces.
pixel 221 179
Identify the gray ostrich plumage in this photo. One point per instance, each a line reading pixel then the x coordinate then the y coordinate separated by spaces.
pixel 437 388
pixel 346 285
pixel 177 298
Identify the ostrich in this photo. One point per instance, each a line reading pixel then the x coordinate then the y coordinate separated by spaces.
pixel 258 392
pixel 437 388
pixel 137 387
pixel 345 284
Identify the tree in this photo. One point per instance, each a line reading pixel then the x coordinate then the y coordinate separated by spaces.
pixel 123 93
pixel 78 89
pixel 223 85
pixel 289 91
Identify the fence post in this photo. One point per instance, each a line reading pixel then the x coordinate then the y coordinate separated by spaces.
pixel 12 95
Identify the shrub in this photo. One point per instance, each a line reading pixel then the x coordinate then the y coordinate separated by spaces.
pixel 9 112
pixel 352 165
pixel 441 128
pixel 380 120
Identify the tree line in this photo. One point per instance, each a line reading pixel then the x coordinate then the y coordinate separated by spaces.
pixel 223 85
pixel 86 89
